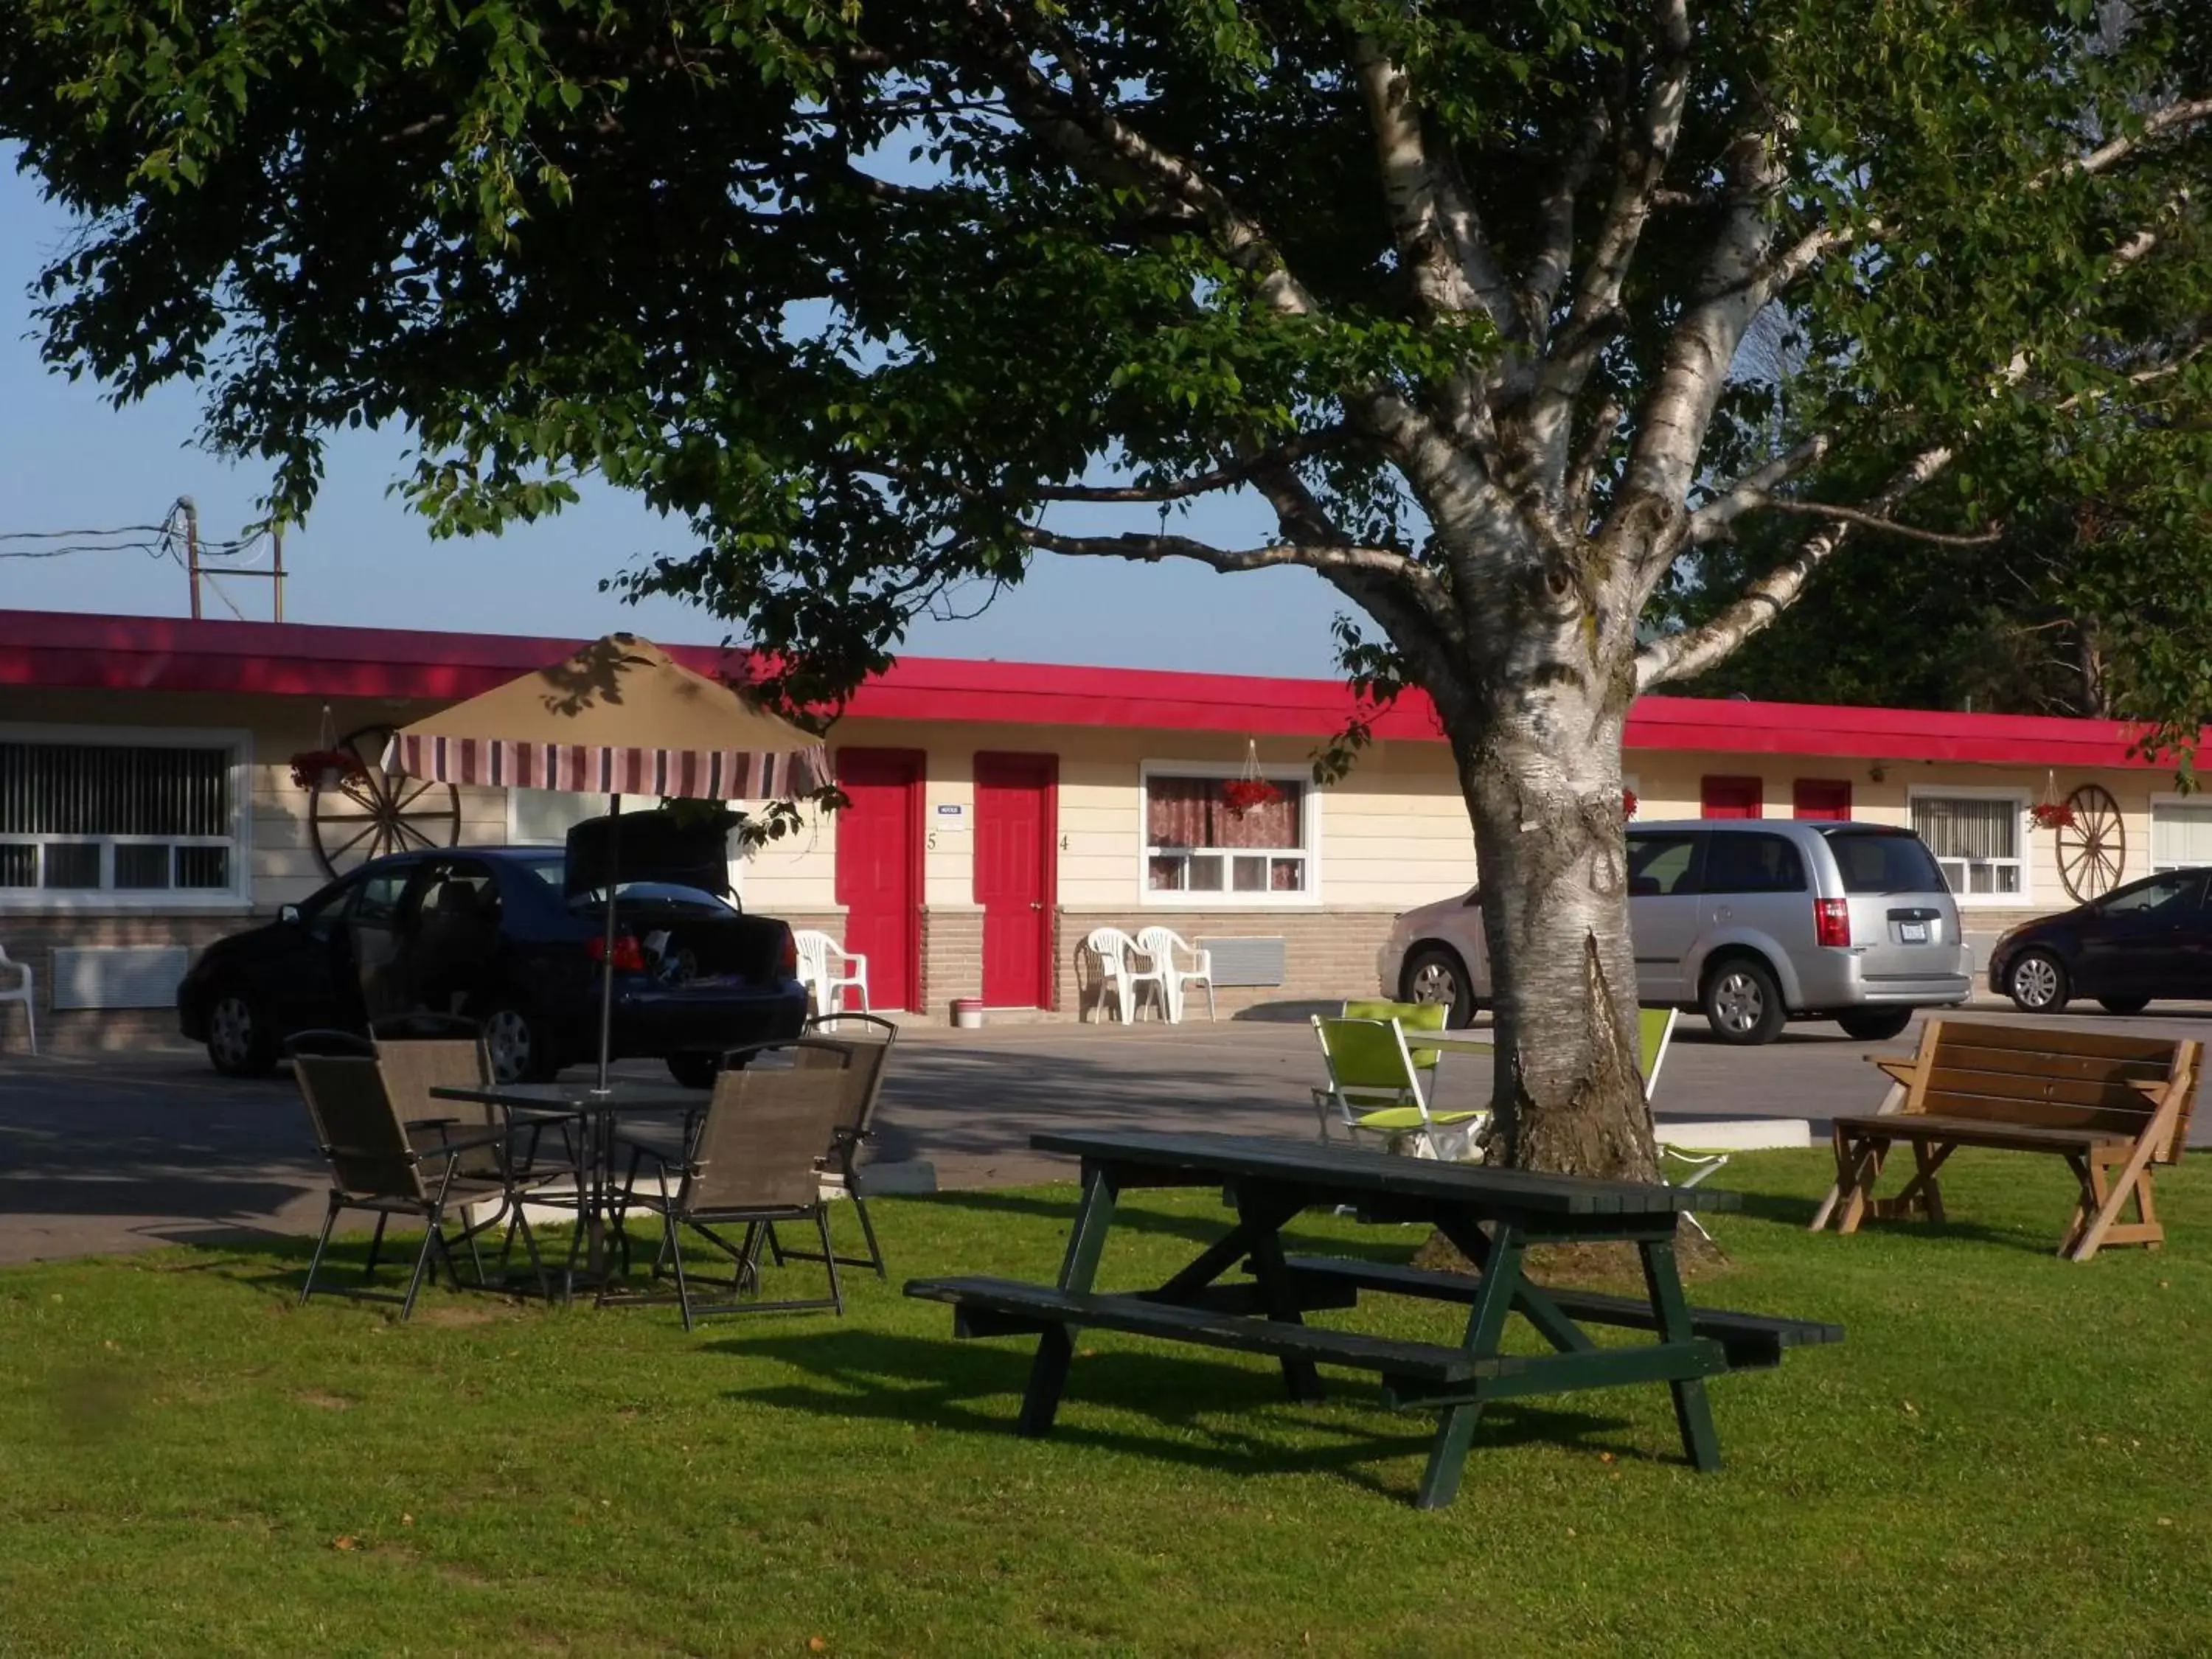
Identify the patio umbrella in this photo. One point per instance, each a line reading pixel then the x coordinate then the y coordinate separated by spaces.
pixel 622 717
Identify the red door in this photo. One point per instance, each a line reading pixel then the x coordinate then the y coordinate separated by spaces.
pixel 1015 875
pixel 880 868
pixel 1821 798
pixel 1729 798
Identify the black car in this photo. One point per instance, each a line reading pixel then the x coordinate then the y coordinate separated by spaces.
pixel 488 933
pixel 2151 939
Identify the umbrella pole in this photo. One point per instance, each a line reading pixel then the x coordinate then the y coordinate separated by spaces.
pixel 607 962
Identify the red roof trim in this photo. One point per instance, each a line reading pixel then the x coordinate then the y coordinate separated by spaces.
pixel 151 653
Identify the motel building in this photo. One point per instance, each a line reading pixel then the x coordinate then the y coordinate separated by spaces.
pixel 999 811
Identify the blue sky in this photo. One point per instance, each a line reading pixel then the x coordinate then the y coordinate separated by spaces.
pixel 68 461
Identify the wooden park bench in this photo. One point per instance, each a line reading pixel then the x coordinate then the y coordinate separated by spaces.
pixel 2103 1103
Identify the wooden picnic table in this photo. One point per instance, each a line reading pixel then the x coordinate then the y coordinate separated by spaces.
pixel 1492 1215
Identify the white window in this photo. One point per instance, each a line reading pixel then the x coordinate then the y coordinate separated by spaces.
pixel 543 817
pixel 1205 843
pixel 1978 840
pixel 2180 834
pixel 98 818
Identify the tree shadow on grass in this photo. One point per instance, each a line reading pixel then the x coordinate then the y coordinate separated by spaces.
pixel 962 1388
pixel 1378 1242
pixel 1798 1213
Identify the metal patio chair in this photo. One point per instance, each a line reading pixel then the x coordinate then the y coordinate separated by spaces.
pixel 867 1040
pixel 419 1052
pixel 752 1160
pixel 375 1168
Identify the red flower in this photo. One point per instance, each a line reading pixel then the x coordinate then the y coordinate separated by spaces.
pixel 1240 795
pixel 2052 815
pixel 1628 802
pixel 309 766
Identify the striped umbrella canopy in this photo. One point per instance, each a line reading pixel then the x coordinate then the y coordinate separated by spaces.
pixel 619 717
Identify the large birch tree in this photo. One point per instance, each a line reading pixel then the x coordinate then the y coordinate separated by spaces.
pixel 873 294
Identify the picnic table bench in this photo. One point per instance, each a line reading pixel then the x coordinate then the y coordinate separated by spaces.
pixel 2100 1101
pixel 1492 1215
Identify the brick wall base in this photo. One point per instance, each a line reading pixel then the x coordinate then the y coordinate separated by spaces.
pixel 952 959
pixel 1328 956
pixel 33 939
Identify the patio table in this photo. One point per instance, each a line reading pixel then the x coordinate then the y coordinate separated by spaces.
pixel 599 1110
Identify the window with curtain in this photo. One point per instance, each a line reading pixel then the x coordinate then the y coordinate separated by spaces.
pixel 94 817
pixel 1194 844
pixel 1976 842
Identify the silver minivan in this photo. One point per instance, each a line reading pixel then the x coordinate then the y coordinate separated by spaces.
pixel 1749 922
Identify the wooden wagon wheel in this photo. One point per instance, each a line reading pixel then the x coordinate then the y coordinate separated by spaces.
pixel 359 819
pixel 2093 848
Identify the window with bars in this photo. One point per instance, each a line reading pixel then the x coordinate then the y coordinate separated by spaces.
pixel 1977 842
pixel 102 817
pixel 1196 845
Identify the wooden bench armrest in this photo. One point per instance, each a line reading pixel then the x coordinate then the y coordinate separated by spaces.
pixel 1905 1072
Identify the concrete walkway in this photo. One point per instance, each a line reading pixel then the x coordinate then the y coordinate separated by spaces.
pixel 119 1152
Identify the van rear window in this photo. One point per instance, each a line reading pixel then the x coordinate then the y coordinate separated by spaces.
pixel 1874 861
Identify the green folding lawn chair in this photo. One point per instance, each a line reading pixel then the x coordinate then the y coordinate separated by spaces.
pixel 1374 1088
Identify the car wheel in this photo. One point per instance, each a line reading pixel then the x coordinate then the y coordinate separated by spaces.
pixel 519 1047
pixel 239 1043
pixel 2036 983
pixel 1436 974
pixel 2123 1004
pixel 1874 1024
pixel 694 1071
pixel 1743 1003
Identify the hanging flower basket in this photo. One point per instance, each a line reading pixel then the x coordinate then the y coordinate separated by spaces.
pixel 326 768
pixel 1242 795
pixel 2052 815
pixel 1628 802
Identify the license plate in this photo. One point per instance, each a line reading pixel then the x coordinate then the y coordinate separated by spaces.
pixel 1912 932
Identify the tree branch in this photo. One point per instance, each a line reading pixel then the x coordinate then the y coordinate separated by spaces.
pixel 2155 124
pixel 1672 427
pixel 1555 243
pixel 1447 256
pixel 1237 473
pixel 1596 309
pixel 1762 502
pixel 1150 549
pixel 1690 652
pixel 1711 521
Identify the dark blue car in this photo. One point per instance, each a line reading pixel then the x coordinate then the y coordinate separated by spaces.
pixel 488 933
pixel 2151 939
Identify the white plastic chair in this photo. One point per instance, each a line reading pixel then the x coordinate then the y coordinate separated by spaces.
pixel 1113 948
pixel 823 985
pixel 1161 944
pixel 24 993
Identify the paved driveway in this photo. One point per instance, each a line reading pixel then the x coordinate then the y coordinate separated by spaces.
pixel 122 1152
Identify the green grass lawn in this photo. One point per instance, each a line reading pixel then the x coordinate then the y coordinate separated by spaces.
pixel 2008 1455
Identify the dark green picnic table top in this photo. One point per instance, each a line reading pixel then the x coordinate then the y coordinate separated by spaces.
pixel 1352 1170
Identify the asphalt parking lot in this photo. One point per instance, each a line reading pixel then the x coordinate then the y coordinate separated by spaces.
pixel 123 1151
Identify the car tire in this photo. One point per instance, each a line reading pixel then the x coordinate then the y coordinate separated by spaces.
pixel 518 1045
pixel 1874 1024
pixel 2036 983
pixel 2123 1004
pixel 1741 1002
pixel 239 1043
pixel 694 1071
pixel 1435 973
